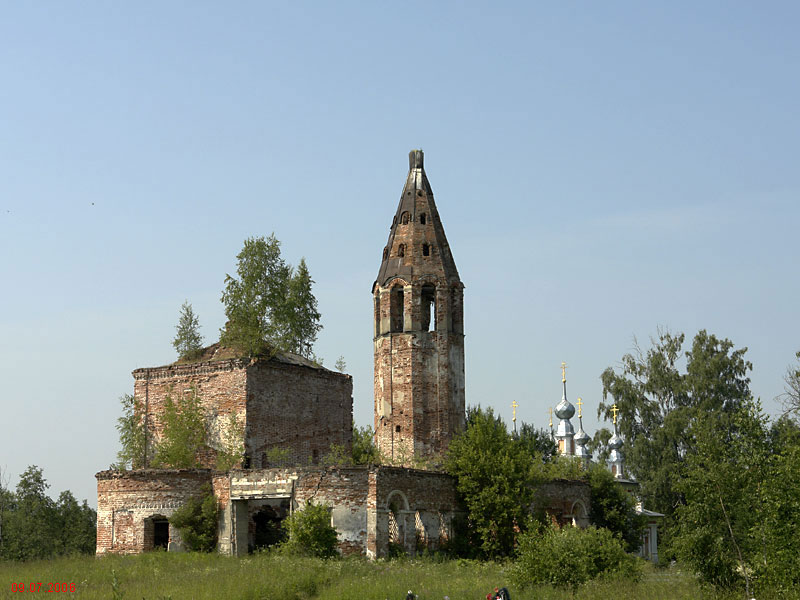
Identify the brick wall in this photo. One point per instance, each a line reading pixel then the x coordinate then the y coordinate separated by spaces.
pixel 299 408
pixel 127 501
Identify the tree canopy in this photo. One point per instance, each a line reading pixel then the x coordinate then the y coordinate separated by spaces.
pixel 269 304
pixel 188 342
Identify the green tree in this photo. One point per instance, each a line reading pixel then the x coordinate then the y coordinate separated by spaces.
pixel 613 508
pixel 76 525
pixel 569 557
pixel 340 364
pixel 188 342
pixel 132 436
pixel 537 442
pixel 184 434
pixel 30 525
pixel 493 475
pixel 657 404
pixel 791 395
pixel 721 485
pixel 301 314
pixel 197 521
pixel 269 304
pixel 365 452
pixel 310 532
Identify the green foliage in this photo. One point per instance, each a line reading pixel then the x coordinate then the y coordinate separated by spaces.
pixel 569 557
pixel 340 364
pixel 310 532
pixel 197 521
pixel 365 452
pixel 657 403
pixel 184 433
pixel 132 435
pixel 791 395
pixel 188 342
pixel 613 508
pixel 277 457
pixel 494 480
pixel 34 526
pixel 269 304
pixel 537 442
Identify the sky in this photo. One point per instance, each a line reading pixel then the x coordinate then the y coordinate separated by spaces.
pixel 602 171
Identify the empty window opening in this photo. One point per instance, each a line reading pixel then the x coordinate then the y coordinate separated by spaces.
pixel 419 193
pixel 428 307
pixel 396 309
pixel 160 534
pixel 397 428
pixel 404 218
pixel 385 253
pixel 426 250
pixel 422 218
pixel 401 250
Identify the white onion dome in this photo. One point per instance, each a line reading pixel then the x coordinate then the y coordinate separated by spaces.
pixel 581 438
pixel 615 443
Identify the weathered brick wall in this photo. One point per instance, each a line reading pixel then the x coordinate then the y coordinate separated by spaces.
pixel 564 500
pixel 220 385
pixel 299 408
pixel 127 500
pixel 412 508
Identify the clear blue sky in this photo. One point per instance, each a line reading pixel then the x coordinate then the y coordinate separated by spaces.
pixel 601 169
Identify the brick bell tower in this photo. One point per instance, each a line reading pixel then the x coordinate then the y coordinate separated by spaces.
pixel 418 330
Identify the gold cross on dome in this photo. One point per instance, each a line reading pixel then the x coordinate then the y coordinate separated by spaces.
pixel 580 403
pixel 514 407
pixel 563 371
pixel 614 411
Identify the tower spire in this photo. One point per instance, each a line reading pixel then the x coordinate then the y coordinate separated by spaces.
pixel 564 411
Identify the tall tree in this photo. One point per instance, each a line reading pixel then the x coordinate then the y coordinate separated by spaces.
pixel 657 404
pixel 132 436
pixel 188 342
pixel 493 475
pixel 184 435
pixel 791 395
pixel 268 304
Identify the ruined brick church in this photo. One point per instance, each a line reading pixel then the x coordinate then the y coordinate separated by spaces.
pixel 289 404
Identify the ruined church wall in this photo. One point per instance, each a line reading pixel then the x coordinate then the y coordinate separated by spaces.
pixel 566 501
pixel 127 501
pixel 220 385
pixel 297 408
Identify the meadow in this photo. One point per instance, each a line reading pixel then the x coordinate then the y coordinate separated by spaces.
pixel 268 576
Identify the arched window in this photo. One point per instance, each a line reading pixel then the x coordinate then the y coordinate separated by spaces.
pixel 426 250
pixel 385 253
pixel 428 307
pixel 422 218
pixel 401 250
pixel 404 218
pixel 397 308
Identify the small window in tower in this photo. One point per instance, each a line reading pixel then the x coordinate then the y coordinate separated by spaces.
pixel 397 428
pixel 401 250
pixel 426 250
pixel 385 253
pixel 422 218
pixel 428 307
pixel 404 218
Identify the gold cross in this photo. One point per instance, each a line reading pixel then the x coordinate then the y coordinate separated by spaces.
pixel 514 407
pixel 580 403
pixel 563 371
pixel 614 411
pixel 550 412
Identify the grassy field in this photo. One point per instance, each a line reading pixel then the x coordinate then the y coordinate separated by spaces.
pixel 157 576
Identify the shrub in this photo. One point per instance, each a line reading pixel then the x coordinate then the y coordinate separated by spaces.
pixel 197 522
pixel 310 532
pixel 569 557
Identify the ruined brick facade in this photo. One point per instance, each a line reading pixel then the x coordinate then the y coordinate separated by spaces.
pixel 371 507
pixel 418 330
pixel 285 402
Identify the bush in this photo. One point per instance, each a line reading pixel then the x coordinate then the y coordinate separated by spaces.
pixel 569 557
pixel 310 532
pixel 197 522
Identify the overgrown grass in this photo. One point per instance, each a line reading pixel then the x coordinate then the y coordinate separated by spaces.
pixel 159 575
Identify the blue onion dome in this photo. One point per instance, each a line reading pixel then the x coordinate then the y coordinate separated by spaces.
pixel 615 443
pixel 565 410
